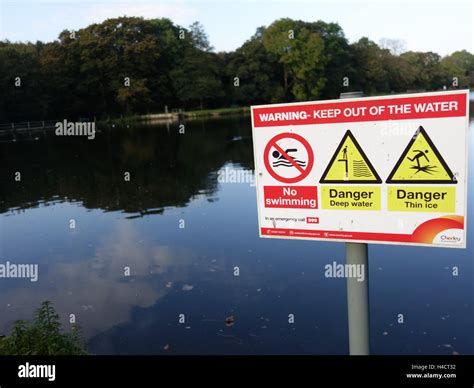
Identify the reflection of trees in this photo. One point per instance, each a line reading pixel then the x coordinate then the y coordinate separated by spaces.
pixel 167 168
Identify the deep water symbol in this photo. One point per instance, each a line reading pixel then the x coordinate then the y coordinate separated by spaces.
pixel 360 169
pixel 283 161
pixel 418 167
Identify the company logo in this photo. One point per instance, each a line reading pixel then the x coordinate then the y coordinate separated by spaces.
pixel 449 239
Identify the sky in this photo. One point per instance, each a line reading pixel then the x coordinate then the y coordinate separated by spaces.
pixel 442 26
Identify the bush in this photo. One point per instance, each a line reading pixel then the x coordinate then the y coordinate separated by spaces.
pixel 42 336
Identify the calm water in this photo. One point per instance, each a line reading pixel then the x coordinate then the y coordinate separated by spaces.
pixel 190 270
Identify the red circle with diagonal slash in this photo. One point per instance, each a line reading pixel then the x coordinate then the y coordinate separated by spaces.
pixel 303 171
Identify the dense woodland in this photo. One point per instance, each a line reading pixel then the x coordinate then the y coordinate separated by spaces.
pixel 84 74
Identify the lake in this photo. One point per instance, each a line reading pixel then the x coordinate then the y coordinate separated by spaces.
pixel 149 265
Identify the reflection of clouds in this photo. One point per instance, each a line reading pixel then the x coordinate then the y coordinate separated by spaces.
pixel 95 289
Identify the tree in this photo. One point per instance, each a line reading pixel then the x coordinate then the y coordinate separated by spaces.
pixel 427 72
pixel 20 81
pixel 252 74
pixel 85 74
pixel 199 37
pixel 459 64
pixel 300 51
pixel 196 77
pixel 336 52
pixel 368 61
pixel 134 97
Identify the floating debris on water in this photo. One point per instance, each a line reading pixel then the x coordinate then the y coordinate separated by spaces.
pixel 230 321
pixel 187 287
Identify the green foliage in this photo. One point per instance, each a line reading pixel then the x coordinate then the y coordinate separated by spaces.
pixel 300 51
pixel 257 72
pixel 459 64
pixel 426 68
pixel 196 79
pixel 83 76
pixel 42 336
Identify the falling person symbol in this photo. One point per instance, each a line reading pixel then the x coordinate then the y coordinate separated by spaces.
pixel 421 154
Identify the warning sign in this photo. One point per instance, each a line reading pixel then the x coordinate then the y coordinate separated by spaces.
pixel 421 162
pixel 349 164
pixel 388 169
pixel 288 158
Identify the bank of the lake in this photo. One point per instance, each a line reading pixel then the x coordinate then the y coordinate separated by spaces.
pixel 170 117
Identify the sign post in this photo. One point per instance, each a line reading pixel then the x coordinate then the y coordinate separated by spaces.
pixel 386 170
pixel 358 305
pixel 358 301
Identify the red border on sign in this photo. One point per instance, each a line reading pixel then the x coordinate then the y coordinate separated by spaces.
pixel 272 143
pixel 309 109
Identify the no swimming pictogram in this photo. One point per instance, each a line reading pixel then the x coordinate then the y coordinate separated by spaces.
pixel 288 157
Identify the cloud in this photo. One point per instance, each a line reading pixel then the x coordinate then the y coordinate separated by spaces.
pixel 178 12
pixel 95 288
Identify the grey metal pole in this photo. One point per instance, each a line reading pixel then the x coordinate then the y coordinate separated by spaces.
pixel 358 300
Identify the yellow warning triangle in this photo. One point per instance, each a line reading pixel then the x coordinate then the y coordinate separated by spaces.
pixel 349 164
pixel 421 162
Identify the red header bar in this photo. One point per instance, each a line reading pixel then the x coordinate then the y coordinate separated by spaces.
pixel 423 107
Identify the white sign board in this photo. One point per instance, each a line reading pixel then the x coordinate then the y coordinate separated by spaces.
pixel 389 169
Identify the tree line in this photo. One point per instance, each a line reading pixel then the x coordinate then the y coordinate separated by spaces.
pixel 131 65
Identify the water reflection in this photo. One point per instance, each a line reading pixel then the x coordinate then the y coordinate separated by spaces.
pixel 166 168
pixel 95 289
pixel 181 232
